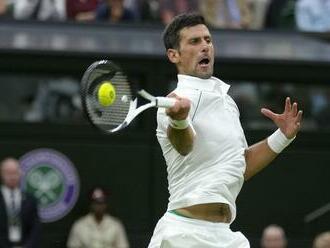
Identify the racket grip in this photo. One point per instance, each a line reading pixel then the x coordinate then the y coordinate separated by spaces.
pixel 165 102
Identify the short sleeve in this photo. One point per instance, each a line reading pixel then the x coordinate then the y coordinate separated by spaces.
pixel 74 239
pixel 121 241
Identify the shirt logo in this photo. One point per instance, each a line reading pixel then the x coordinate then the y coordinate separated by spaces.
pixel 52 178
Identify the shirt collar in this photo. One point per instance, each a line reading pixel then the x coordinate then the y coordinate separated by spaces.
pixel 8 190
pixel 211 84
pixel 92 219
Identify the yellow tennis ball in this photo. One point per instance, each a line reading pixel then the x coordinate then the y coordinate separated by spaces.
pixel 106 94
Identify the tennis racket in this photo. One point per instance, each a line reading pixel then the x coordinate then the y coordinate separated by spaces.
pixel 110 100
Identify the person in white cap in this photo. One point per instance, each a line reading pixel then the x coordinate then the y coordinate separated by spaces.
pixel 98 229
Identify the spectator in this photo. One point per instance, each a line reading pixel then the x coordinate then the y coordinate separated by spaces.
pixel 313 15
pixel 273 236
pixel 273 93
pixel 149 11
pixel 321 107
pixel 169 8
pixel 55 101
pixel 133 6
pixel 19 221
pixel 43 10
pixel 281 14
pixel 81 10
pixel 6 9
pixel 222 13
pixel 245 14
pixel 258 13
pixel 322 240
pixel 3 7
pixel 114 11
pixel 97 229
pixel 245 95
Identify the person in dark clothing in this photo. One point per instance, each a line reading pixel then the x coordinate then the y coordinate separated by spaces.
pixel 19 221
pixel 114 11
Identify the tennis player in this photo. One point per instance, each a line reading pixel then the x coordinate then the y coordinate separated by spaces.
pixel 204 145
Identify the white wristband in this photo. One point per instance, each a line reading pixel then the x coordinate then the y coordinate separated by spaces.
pixel 179 124
pixel 278 141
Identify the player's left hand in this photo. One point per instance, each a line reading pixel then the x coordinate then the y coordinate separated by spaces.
pixel 289 121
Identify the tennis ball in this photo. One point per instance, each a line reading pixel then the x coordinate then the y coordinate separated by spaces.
pixel 106 94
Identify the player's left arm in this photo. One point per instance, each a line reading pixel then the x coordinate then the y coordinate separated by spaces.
pixel 259 155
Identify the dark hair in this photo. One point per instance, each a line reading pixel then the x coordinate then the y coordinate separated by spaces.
pixel 171 34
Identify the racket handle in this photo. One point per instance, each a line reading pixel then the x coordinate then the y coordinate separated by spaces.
pixel 165 102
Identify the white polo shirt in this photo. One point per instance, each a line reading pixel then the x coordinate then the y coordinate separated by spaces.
pixel 213 171
pixel 87 233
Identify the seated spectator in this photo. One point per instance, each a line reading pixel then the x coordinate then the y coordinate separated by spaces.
pixel 55 101
pixel 281 14
pixel 3 7
pixel 258 10
pixel 97 228
pixel 149 11
pixel 273 236
pixel 81 10
pixel 169 8
pixel 313 15
pixel 133 6
pixel 320 107
pixel 245 14
pixel 223 13
pixel 275 94
pixel 43 10
pixel 6 9
pixel 114 11
pixel 322 240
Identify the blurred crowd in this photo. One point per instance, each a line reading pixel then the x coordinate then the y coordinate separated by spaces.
pixel 273 236
pixel 306 15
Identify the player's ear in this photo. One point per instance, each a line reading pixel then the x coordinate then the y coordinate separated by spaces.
pixel 173 55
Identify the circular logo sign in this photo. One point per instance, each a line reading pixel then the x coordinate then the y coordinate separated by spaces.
pixel 51 177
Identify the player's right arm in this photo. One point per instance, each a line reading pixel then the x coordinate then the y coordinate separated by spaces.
pixel 182 139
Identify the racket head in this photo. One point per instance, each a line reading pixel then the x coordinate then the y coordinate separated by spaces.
pixel 106 77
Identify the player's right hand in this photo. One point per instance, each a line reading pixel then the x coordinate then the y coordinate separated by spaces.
pixel 181 108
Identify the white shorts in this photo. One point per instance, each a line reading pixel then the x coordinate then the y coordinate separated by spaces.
pixel 173 231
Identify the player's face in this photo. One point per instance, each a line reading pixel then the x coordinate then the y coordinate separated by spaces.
pixel 195 52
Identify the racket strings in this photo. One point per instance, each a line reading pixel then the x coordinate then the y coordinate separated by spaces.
pixel 111 116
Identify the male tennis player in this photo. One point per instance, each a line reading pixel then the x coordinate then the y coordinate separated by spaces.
pixel 204 145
